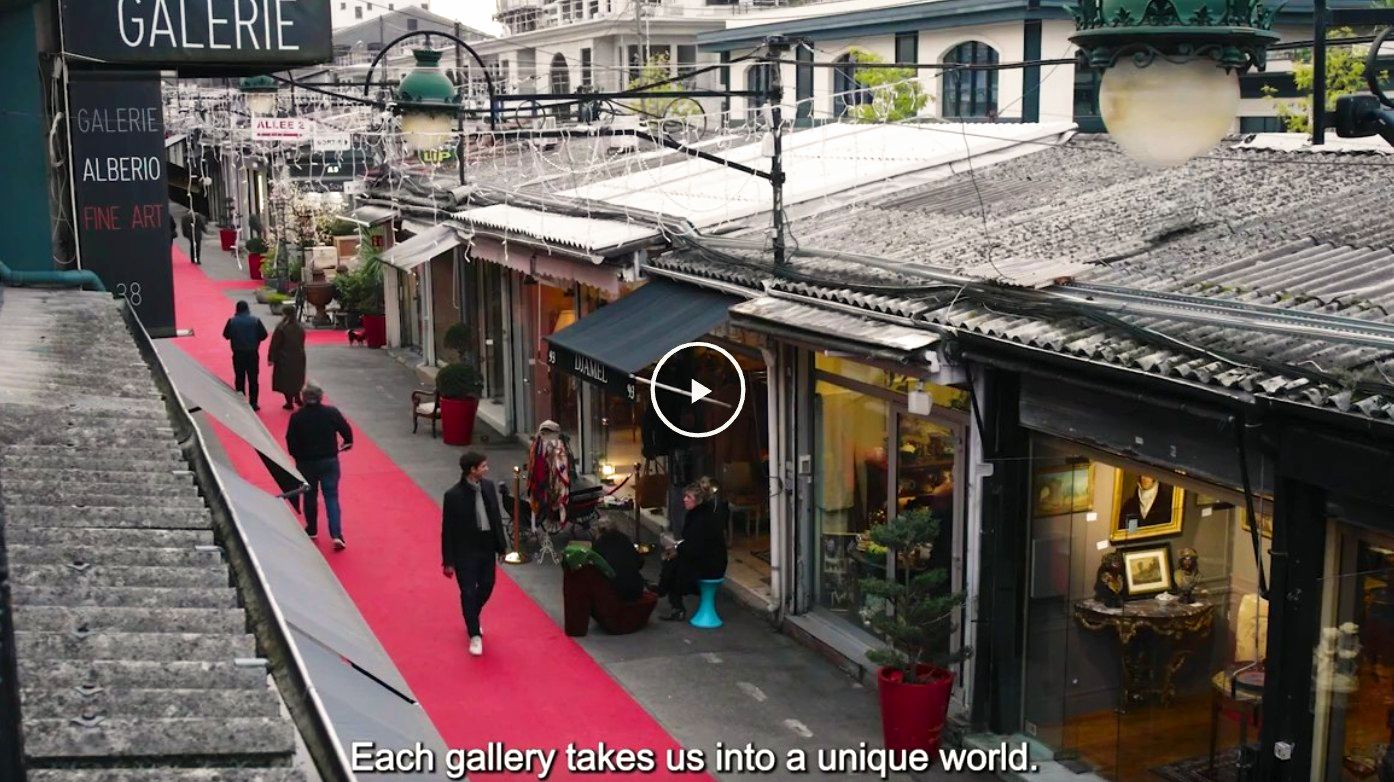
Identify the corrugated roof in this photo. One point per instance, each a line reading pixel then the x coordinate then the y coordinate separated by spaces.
pixel 1278 229
pixel 818 162
pixel 842 326
pixel 132 645
pixel 593 235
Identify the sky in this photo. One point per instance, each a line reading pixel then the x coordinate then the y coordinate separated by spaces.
pixel 471 13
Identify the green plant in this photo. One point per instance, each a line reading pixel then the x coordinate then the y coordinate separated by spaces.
pixel 342 227
pixel 896 93
pixel 921 623
pixel 276 299
pixel 1345 75
pixel 256 244
pixel 458 339
pixel 458 381
pixel 660 106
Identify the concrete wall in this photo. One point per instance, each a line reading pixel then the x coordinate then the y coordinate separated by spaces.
pixel 24 205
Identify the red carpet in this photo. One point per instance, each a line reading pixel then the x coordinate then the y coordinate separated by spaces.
pixel 533 688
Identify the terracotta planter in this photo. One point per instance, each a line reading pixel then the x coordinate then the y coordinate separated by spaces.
pixel 457 420
pixel 375 330
pixel 319 294
pixel 254 265
pixel 227 237
pixel 913 715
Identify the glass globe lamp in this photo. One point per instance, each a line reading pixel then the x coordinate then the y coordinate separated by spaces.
pixel 428 103
pixel 1166 113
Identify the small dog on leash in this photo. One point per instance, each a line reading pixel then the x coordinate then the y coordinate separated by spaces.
pixel 356 337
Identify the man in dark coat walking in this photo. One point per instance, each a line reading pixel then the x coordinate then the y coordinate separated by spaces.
pixel 194 226
pixel 471 540
pixel 312 438
pixel 245 332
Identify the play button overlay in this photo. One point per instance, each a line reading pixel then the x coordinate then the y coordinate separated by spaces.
pixel 696 393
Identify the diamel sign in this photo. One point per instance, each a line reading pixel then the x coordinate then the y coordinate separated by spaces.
pixel 118 138
pixel 199 33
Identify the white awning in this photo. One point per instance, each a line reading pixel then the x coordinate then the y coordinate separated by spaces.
pixel 370 215
pixel 815 324
pixel 423 247
pixel 592 235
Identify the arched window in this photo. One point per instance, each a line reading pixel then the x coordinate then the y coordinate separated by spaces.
pixel 757 79
pixel 560 82
pixel 847 91
pixel 970 93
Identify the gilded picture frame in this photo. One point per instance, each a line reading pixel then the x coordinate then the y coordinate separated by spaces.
pixel 1265 524
pixel 1063 490
pixel 1160 521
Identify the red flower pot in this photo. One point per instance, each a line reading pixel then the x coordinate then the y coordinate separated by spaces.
pixel 228 238
pixel 913 715
pixel 254 265
pixel 375 330
pixel 457 420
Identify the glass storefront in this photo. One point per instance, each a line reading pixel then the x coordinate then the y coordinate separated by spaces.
pixel 874 458
pixel 1145 632
pixel 1353 663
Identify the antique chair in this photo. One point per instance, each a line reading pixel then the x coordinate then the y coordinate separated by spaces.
pixel 425 404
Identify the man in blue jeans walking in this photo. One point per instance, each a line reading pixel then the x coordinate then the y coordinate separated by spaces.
pixel 313 441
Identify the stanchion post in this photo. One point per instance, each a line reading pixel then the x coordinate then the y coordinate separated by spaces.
pixel 639 545
pixel 515 557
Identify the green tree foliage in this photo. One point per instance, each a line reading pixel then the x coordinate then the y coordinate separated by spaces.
pixel 658 107
pixel 896 93
pixel 922 620
pixel 1345 75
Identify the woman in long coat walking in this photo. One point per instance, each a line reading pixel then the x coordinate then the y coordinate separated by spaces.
pixel 286 355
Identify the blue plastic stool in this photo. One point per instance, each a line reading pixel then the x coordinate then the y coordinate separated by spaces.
pixel 706 606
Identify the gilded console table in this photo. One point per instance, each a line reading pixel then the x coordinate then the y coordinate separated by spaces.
pixel 1155 640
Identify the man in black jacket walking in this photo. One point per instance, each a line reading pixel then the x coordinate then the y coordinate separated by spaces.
pixel 245 331
pixel 471 540
pixel 312 438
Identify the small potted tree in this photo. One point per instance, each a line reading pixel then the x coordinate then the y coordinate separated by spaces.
pixel 914 681
pixel 458 340
pixel 256 248
pixel 459 386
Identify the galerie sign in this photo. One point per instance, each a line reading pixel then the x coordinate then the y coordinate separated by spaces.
pixel 172 33
pixel 118 139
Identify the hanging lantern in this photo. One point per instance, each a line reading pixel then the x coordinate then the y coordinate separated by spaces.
pixel 1170 88
pixel 260 92
pixel 428 103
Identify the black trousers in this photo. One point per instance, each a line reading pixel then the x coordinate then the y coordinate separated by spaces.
pixel 246 372
pixel 475 575
pixel 675 581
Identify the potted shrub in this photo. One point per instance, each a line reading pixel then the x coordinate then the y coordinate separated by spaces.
pixel 360 293
pixel 914 681
pixel 256 248
pixel 459 386
pixel 458 340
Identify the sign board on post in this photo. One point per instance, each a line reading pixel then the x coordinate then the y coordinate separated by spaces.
pixel 331 141
pixel 281 128
pixel 200 34
pixel 119 183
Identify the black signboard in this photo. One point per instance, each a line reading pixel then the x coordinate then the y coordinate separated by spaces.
pixel 615 381
pixel 199 33
pixel 328 171
pixel 119 182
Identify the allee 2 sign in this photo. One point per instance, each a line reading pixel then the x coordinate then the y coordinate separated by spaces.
pixel 199 32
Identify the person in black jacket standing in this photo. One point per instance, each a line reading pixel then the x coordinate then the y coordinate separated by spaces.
pixel 471 540
pixel 312 438
pixel 700 555
pixel 245 332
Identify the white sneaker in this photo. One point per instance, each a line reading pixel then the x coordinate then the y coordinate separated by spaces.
pixel 476 646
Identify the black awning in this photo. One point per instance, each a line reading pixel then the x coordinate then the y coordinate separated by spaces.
pixel 610 345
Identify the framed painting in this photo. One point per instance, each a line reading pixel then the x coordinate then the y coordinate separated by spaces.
pixel 1144 506
pixel 1265 521
pixel 1065 489
pixel 1147 571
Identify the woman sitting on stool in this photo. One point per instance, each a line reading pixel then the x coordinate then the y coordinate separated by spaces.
pixel 700 555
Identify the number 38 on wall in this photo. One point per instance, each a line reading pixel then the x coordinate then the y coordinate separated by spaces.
pixel 130 291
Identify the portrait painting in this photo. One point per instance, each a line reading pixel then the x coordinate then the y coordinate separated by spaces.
pixel 1145 506
pixel 1147 570
pixel 1065 489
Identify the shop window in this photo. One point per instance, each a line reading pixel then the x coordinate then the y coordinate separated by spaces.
pixel 970 94
pixel 1353 663
pixel 1145 631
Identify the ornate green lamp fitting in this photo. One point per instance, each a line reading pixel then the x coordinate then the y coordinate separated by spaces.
pixel 254 84
pixel 426 88
pixel 1235 34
